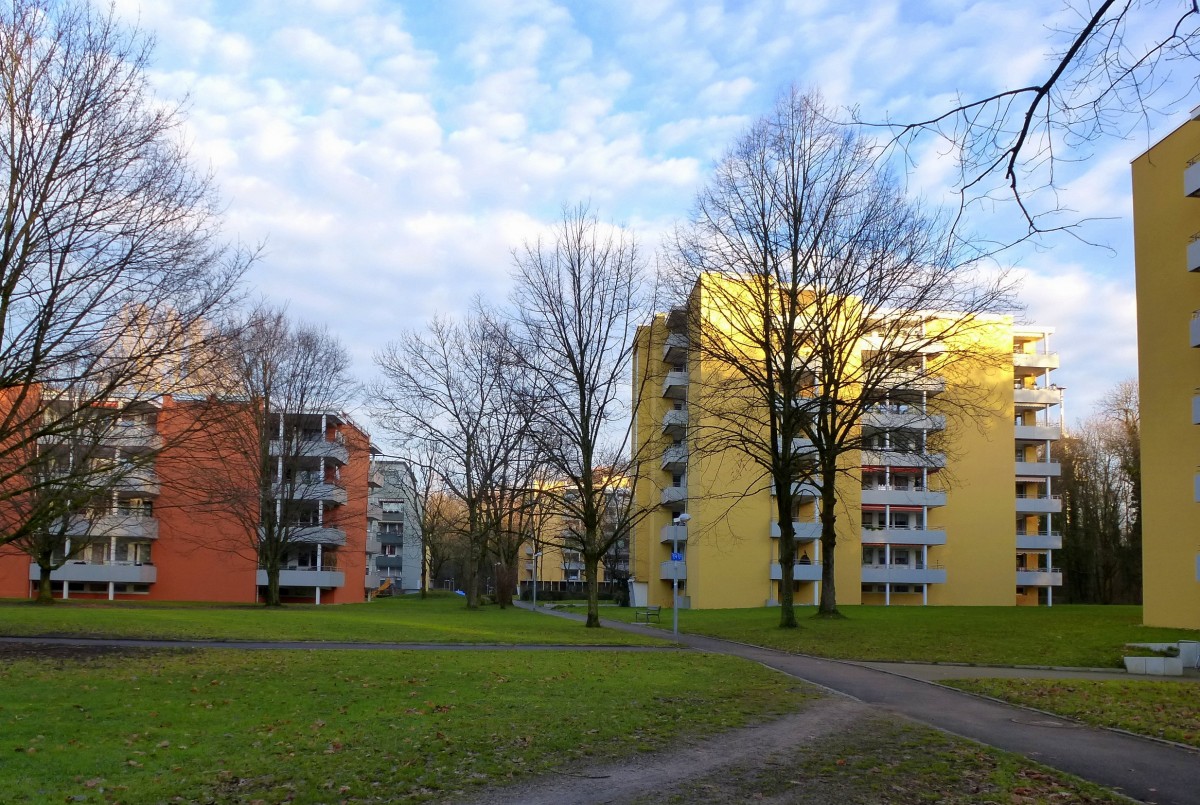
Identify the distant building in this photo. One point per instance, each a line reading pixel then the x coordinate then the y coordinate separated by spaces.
pixel 927 515
pixel 394 546
pixel 1166 228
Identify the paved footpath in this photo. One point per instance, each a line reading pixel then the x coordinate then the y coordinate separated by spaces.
pixel 1146 770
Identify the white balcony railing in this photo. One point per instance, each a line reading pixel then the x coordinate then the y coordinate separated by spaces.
pixel 100 572
pixel 675 385
pixel 805 530
pixel 903 536
pixel 890 496
pixel 1191 178
pixel 1040 432
pixel 675 458
pixel 903 574
pixel 1045 469
pixel 1039 541
pixel 1195 329
pixel 801 571
pixel 1038 504
pixel 1039 578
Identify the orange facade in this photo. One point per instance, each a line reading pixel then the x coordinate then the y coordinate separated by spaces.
pixel 184 529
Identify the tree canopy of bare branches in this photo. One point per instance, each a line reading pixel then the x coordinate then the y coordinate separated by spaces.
pixel 578 299
pixel 456 391
pixel 260 463
pixel 818 290
pixel 111 260
pixel 1114 63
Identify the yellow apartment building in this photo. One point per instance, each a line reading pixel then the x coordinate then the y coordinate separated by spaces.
pixel 934 510
pixel 1166 226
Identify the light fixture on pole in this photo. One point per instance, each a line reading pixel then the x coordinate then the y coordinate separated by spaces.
pixel 676 559
pixel 535 578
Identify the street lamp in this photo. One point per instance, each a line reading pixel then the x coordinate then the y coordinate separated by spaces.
pixel 535 578
pixel 679 522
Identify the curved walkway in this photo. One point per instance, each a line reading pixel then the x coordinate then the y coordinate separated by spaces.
pixel 1147 770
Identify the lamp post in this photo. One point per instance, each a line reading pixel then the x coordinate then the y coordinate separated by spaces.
pixel 679 522
pixel 535 578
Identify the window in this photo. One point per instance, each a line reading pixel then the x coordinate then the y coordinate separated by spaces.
pixel 677 480
pixel 391 529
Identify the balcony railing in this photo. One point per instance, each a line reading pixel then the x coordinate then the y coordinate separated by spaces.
pixel 801 571
pixel 1041 432
pixel 1191 178
pixel 883 495
pixel 1046 469
pixel 915 573
pixel 311 448
pixel 805 530
pixel 1039 540
pixel 901 535
pixel 1039 578
pixel 1035 360
pixel 1037 396
pixel 1193 253
pixel 675 458
pixel 326 576
pixel 672 570
pixel 101 572
pixel 896 457
pixel 675 348
pixel 1195 329
pixel 675 385
pixel 673 494
pixel 673 533
pixel 1038 504
pixel 675 422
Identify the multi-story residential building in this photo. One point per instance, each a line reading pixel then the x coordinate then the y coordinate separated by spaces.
pixel 176 527
pixel 394 545
pixel 926 508
pixel 1166 225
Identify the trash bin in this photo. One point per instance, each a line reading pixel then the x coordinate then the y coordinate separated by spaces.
pixel 1189 653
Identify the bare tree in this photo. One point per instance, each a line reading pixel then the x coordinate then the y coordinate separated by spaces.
pixel 455 391
pixel 819 295
pixel 1111 63
pixel 1101 493
pixel 273 462
pixel 111 262
pixel 578 299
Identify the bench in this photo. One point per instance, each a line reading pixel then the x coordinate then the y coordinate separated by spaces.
pixel 644 614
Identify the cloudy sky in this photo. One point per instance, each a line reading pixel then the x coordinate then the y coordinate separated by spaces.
pixel 392 153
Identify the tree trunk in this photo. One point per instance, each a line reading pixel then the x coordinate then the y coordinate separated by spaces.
pixel 828 607
pixel 45 595
pixel 273 599
pixel 591 565
pixel 787 555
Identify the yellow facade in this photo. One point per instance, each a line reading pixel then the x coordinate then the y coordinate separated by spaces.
pixel 942 533
pixel 1166 216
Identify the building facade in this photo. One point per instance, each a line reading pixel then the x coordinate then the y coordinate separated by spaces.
pixel 1166 223
pixel 931 511
pixel 162 533
pixel 394 549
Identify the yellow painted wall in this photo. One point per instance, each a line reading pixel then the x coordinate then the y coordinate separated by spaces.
pixel 1169 372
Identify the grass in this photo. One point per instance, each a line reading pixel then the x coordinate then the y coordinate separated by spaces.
pixel 1062 635
pixel 362 726
pixel 437 619
pixel 1158 708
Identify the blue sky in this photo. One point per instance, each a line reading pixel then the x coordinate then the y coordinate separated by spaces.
pixel 392 154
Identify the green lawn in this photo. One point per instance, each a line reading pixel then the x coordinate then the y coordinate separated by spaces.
pixel 350 726
pixel 1067 635
pixel 1158 708
pixel 438 619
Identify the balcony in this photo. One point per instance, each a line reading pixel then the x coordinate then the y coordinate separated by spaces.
pixel 1193 253
pixel 1196 407
pixel 573 567
pixel 375 479
pixel 1191 178
pixel 324 577
pixel 1039 578
pixel 374 511
pixel 903 536
pixel 142 482
pixel 805 531
pixel 314 535
pixel 1039 541
pixel 673 494
pixel 903 458
pixel 1035 360
pixel 1038 504
pixel 134 437
pixel 800 571
pixel 672 533
pixel 803 490
pixel 1042 469
pixel 323 492
pixel 675 385
pixel 668 570
pixel 896 417
pixel 675 348
pixel 128 526
pixel 891 496
pixel 1044 432
pixel 116 572
pixel 312 448
pixel 903 574
pixel 675 458
pixel 1037 396
pixel 674 423
pixel 918 382
pixel 385 562
pixel 1195 329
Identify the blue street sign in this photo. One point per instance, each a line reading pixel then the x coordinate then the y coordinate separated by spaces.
pixel 676 557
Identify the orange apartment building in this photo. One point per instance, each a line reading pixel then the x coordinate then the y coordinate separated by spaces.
pixel 163 536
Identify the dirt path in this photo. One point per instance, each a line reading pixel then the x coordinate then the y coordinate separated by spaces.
pixel 653 775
